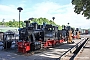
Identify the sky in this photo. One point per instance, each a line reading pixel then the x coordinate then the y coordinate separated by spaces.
pixel 62 10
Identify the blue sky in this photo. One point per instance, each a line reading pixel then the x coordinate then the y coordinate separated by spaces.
pixel 62 10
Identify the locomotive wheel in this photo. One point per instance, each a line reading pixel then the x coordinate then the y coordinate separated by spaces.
pixel 32 47
pixel 53 45
pixel 7 45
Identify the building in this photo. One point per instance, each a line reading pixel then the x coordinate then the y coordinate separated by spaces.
pixel 6 28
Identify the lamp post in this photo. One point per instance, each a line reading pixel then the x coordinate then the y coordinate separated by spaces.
pixel 31 18
pixel 19 8
pixel 53 18
pixel 68 24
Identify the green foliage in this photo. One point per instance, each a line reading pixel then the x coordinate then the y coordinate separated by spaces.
pixel 82 7
pixel 40 21
pixel 12 23
pixel 59 27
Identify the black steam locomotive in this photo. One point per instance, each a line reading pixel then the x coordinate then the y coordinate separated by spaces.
pixel 34 36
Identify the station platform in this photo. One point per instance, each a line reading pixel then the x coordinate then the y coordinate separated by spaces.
pixel 50 54
pixel 85 54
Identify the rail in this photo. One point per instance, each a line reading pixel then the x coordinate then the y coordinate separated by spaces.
pixel 70 53
pixel 82 48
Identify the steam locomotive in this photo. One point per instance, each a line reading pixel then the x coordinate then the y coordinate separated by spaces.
pixel 34 36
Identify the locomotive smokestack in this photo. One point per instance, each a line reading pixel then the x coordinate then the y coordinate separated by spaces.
pixel 27 23
pixel 77 29
pixel 64 27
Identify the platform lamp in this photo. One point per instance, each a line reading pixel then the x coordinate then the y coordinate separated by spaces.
pixel 68 24
pixel 31 18
pixel 53 18
pixel 19 8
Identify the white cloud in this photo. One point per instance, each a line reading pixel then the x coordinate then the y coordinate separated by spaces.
pixel 6 8
pixel 7 12
pixel 63 14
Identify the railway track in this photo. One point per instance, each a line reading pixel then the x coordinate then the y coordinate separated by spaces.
pixel 82 49
pixel 73 53
pixel 84 52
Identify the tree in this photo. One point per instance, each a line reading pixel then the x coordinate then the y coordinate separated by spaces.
pixel 63 26
pixel 3 21
pixel 40 21
pixel 10 23
pixel 82 7
pixel 59 27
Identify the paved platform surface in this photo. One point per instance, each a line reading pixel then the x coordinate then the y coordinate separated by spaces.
pixel 85 55
pixel 51 54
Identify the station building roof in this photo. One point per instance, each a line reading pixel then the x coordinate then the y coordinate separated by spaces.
pixel 6 28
